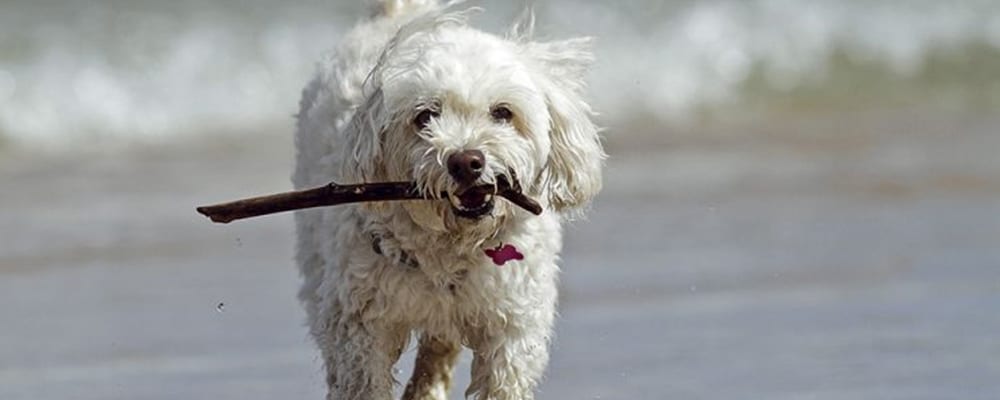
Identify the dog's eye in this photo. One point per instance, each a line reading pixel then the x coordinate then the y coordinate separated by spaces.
pixel 502 113
pixel 425 118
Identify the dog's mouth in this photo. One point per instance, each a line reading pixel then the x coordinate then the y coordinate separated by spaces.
pixel 472 203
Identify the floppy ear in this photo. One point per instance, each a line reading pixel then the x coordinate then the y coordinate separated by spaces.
pixel 572 174
pixel 362 149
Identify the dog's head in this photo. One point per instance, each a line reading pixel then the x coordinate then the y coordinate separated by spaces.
pixel 452 108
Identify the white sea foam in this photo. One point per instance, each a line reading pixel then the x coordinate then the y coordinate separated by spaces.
pixel 75 73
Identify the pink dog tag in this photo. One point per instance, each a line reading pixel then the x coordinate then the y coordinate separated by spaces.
pixel 503 253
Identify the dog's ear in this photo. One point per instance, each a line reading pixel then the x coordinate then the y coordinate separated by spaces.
pixel 363 144
pixel 572 174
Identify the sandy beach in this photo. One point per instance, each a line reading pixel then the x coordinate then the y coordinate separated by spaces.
pixel 831 256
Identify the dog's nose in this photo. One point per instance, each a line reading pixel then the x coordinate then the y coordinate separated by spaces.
pixel 466 166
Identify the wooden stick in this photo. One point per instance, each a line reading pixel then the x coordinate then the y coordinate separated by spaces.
pixel 334 194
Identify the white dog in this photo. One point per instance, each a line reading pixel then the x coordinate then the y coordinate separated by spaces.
pixel 413 94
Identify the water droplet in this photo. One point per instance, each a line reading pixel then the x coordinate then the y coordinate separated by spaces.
pixel 694 288
pixel 397 371
pixel 221 307
pixel 239 243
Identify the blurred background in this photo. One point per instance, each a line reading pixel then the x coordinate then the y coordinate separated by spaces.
pixel 802 200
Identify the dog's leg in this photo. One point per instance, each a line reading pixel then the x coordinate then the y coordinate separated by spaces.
pixel 506 367
pixel 433 369
pixel 359 359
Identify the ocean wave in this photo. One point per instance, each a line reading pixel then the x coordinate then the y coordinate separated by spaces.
pixel 73 74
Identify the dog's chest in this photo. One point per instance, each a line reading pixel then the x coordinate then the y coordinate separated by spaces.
pixel 445 293
pixel 435 281
pixel 449 283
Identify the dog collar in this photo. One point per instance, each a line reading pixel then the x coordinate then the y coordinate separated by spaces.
pixel 500 255
pixel 403 258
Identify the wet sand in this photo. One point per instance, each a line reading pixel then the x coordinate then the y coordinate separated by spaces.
pixel 809 257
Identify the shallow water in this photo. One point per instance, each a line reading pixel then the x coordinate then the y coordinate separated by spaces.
pixel 858 263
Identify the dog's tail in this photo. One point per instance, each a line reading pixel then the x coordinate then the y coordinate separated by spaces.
pixel 397 8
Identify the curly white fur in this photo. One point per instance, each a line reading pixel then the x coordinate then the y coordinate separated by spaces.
pixel 356 124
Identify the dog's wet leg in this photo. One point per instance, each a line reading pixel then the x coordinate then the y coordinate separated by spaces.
pixel 360 358
pixel 432 370
pixel 509 366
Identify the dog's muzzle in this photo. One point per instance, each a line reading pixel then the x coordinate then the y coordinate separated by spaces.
pixel 465 168
pixel 472 203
